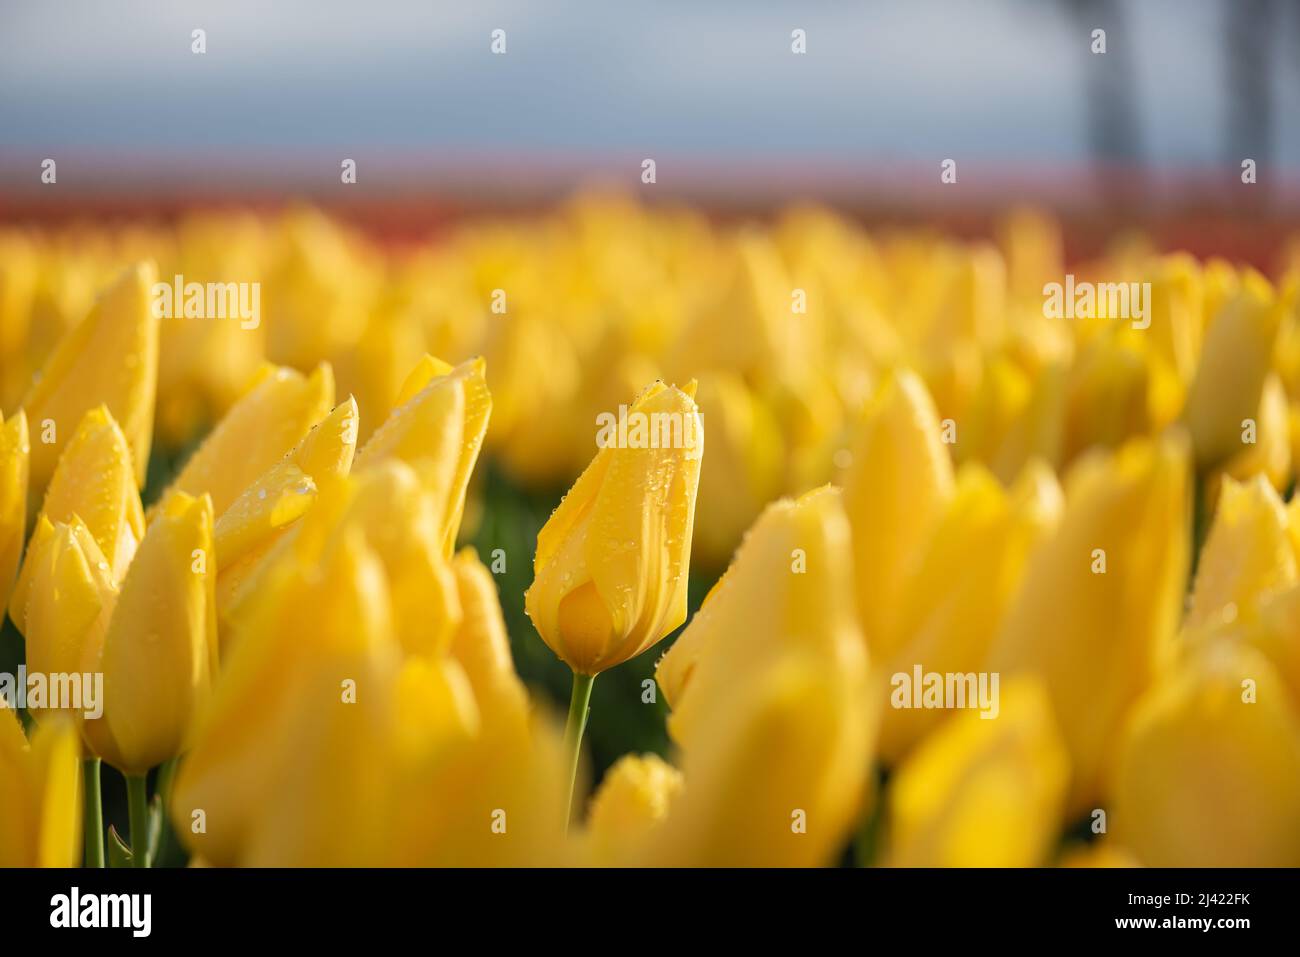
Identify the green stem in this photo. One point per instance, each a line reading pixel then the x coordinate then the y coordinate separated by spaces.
pixel 94 814
pixel 137 790
pixel 579 702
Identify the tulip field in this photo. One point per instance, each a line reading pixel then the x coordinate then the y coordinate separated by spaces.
pixel 619 534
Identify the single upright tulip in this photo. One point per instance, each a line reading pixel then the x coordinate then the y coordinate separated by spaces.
pixel 1208 767
pixel 14 455
pixel 40 794
pixel 612 561
pixel 71 592
pixel 158 652
pixel 111 357
pixel 1107 587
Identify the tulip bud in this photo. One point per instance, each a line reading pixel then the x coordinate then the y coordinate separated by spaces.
pixel 14 455
pixel 257 432
pixel 247 531
pixel 633 800
pixel 1234 363
pixel 744 468
pixel 982 793
pixel 1208 768
pixel 40 794
pixel 771 699
pixel 1247 555
pixel 1265 444
pixel 777 774
pixel 897 487
pixel 159 651
pixel 438 427
pixel 481 644
pixel 787 591
pixel 611 564
pixel 71 594
pixel 953 605
pixel 111 357
pixel 94 485
pixel 1107 586
pixel 280 776
pixel 1108 396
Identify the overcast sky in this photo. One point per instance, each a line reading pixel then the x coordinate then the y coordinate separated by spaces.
pixel 882 81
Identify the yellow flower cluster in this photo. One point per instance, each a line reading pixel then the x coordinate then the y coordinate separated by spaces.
pixel 977 487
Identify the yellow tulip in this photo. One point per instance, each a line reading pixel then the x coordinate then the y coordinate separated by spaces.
pixel 15 452
pixel 612 561
pixel 982 793
pixel 743 471
pixel 1277 635
pixel 438 427
pixel 631 804
pixel 532 435
pixel 19 263
pixel 420 583
pixel 40 794
pixel 1175 313
pixel 111 357
pixel 484 797
pixel 72 593
pixel 246 531
pixel 771 700
pixel 1235 360
pixel 1109 393
pixel 93 485
pixel 481 645
pixel 257 432
pixel 777 775
pixel 158 652
pixel 787 592
pixel 951 609
pixel 290 752
pixel 1265 443
pixel 897 487
pixel 1107 586
pixel 1208 770
pixel 1248 554
pixel 1034 247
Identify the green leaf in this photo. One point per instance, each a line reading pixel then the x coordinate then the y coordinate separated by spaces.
pixel 119 855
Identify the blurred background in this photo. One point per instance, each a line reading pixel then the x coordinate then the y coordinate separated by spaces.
pixel 586 90
pixel 1149 135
